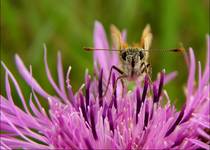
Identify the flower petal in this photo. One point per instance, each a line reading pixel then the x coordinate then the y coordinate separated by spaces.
pixel 28 77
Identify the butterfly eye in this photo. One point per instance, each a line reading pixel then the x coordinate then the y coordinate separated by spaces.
pixel 124 54
pixel 141 55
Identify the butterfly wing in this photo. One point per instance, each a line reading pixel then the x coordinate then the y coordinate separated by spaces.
pixel 117 40
pixel 146 38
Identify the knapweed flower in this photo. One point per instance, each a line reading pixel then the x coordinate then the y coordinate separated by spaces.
pixel 142 118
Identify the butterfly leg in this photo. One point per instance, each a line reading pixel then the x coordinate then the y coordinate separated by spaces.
pixel 148 70
pixel 110 74
pixel 115 84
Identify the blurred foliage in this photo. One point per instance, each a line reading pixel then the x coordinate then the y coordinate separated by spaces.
pixel 67 25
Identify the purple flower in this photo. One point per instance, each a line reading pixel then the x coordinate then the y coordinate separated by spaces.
pixel 135 119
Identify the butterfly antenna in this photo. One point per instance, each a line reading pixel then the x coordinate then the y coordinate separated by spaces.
pixel 99 49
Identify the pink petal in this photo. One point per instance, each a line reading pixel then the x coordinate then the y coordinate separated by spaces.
pixel 60 74
pixel 52 82
pixel 199 143
pixel 191 78
pixel 28 77
pixel 100 41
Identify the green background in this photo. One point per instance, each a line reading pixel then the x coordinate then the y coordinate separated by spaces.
pixel 67 25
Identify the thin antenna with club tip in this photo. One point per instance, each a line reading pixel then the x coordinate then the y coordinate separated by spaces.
pixel 167 50
pixel 100 49
pixel 151 50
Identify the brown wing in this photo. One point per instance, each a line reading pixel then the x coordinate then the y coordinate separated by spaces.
pixel 146 38
pixel 117 38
